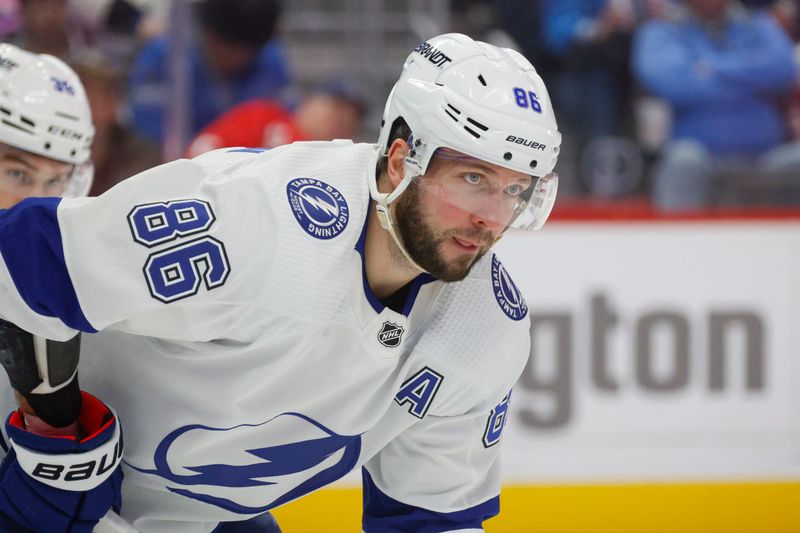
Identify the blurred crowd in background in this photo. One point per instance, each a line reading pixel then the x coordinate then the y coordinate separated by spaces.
pixel 684 104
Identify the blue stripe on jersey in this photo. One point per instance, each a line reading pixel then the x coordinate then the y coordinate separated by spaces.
pixel 30 242
pixel 373 300
pixel 383 514
pixel 248 150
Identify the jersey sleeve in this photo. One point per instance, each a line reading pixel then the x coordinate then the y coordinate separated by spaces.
pixel 441 474
pixel 178 252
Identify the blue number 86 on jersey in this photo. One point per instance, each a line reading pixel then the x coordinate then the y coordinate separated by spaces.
pixel 176 272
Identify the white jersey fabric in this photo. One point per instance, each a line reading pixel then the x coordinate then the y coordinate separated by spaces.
pixel 246 356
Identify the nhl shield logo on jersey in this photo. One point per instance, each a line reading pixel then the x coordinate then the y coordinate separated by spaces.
pixel 506 293
pixel 390 334
pixel 320 209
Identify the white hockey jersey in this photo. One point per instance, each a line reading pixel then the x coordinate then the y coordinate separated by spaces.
pixel 245 354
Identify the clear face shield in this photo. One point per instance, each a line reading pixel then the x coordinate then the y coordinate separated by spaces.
pixel 81 181
pixel 501 197
pixel 24 175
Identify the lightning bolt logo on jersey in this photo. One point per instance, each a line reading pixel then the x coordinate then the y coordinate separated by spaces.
pixel 320 208
pixel 255 456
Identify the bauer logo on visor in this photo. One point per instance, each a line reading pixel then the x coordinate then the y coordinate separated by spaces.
pixel 320 209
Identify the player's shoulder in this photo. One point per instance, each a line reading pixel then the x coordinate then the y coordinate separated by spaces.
pixel 319 157
pixel 316 196
pixel 479 329
pixel 322 185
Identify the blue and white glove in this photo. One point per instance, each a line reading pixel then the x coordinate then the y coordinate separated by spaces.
pixel 62 484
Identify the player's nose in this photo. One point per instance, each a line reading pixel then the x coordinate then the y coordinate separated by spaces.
pixel 488 223
pixel 492 216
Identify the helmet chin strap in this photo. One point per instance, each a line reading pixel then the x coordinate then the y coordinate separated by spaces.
pixel 383 204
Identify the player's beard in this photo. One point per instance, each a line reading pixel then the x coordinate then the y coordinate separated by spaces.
pixel 424 243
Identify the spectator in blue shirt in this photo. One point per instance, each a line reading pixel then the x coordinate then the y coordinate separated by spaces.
pixel 725 73
pixel 588 42
pixel 233 59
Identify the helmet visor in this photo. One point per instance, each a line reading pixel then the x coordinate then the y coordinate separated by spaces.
pixel 24 175
pixel 500 197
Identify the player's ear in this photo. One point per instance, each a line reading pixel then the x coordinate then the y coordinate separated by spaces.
pixel 395 169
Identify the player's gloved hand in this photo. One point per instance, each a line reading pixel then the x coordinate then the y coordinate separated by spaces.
pixel 44 372
pixel 62 484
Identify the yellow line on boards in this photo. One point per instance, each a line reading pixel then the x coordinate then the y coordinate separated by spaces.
pixel 327 510
pixel 697 508
pixel 668 508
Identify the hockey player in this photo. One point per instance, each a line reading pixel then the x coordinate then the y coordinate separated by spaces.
pixel 45 137
pixel 268 321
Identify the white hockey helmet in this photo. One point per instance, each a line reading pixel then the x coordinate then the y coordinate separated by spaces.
pixel 482 101
pixel 43 107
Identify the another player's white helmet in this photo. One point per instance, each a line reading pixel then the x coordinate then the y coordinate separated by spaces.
pixel 480 100
pixel 44 110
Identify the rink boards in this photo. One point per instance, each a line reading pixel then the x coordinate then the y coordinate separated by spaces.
pixel 664 390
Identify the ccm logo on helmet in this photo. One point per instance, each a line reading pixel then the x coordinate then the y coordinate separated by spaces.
pixel 525 142
pixel 64 132
pixel 432 54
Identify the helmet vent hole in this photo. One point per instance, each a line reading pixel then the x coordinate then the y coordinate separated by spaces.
pixel 17 126
pixel 507 156
pixel 67 116
pixel 473 132
pixel 534 163
pixel 454 109
pixel 5 111
pixel 28 121
pixel 480 79
pixel 477 124
pixel 72 153
pixel 46 146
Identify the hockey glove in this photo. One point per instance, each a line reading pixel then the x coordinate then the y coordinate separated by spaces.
pixel 62 484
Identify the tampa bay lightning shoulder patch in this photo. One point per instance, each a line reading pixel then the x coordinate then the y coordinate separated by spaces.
pixel 506 293
pixel 319 208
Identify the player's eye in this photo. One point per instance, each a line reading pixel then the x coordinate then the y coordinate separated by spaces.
pixel 472 178
pixel 515 189
pixel 55 181
pixel 18 175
